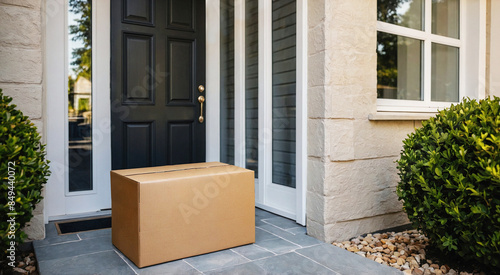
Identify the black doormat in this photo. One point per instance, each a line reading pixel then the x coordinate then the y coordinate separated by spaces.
pixel 75 226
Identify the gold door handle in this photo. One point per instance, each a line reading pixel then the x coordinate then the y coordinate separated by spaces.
pixel 201 88
pixel 201 99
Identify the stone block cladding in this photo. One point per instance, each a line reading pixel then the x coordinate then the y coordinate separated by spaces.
pixel 21 71
pixel 352 174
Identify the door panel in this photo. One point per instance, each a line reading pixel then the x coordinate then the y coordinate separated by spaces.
pixel 138 140
pixel 180 70
pixel 177 133
pixel 157 61
pixel 138 11
pixel 138 56
pixel 180 15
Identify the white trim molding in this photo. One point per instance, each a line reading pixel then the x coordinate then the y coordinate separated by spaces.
pixel 239 84
pixel 212 80
pixel 265 98
pixel 301 144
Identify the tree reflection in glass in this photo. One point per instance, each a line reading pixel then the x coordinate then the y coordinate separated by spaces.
pixel 399 59
pixel 406 13
pixel 399 67
pixel 80 95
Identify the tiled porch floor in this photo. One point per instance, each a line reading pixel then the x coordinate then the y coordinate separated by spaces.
pixel 281 247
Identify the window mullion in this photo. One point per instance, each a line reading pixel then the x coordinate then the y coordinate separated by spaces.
pixel 400 30
pixel 426 69
pixel 445 40
pixel 426 55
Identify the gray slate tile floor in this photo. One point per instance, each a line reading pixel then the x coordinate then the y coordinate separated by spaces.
pixel 281 247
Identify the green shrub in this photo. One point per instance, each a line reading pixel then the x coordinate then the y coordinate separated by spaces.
pixel 23 164
pixel 450 180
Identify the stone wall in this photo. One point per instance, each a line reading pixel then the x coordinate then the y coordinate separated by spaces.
pixel 21 70
pixel 352 174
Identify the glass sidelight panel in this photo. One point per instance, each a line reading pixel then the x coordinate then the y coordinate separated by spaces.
pixel 284 91
pixel 80 95
pixel 251 84
pixel 227 81
pixel 444 76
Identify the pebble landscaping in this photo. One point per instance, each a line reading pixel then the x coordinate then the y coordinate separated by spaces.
pixel 25 264
pixel 402 250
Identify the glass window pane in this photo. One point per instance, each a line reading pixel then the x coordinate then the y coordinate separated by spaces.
pixel 227 81
pixel 80 95
pixel 446 17
pixel 399 67
pixel 444 77
pixel 252 85
pixel 406 13
pixel 284 100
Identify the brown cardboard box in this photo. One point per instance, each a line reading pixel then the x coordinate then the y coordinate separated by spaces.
pixel 165 213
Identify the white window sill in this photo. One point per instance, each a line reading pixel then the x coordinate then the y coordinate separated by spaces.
pixel 393 116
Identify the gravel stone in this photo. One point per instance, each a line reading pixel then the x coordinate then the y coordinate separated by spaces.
pixel 402 250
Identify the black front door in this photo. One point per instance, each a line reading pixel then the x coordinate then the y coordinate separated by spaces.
pixel 157 65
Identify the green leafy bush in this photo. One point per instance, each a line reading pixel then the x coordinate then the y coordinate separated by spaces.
pixel 450 180
pixel 23 171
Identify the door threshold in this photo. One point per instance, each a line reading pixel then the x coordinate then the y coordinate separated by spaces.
pixel 277 211
pixel 80 215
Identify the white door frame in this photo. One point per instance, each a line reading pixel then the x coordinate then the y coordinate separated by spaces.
pixel 212 80
pixel 301 150
pixel 279 199
pixel 59 202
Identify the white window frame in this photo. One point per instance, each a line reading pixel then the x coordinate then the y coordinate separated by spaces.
pixel 471 45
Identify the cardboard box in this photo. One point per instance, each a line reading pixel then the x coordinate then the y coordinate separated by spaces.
pixel 160 214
